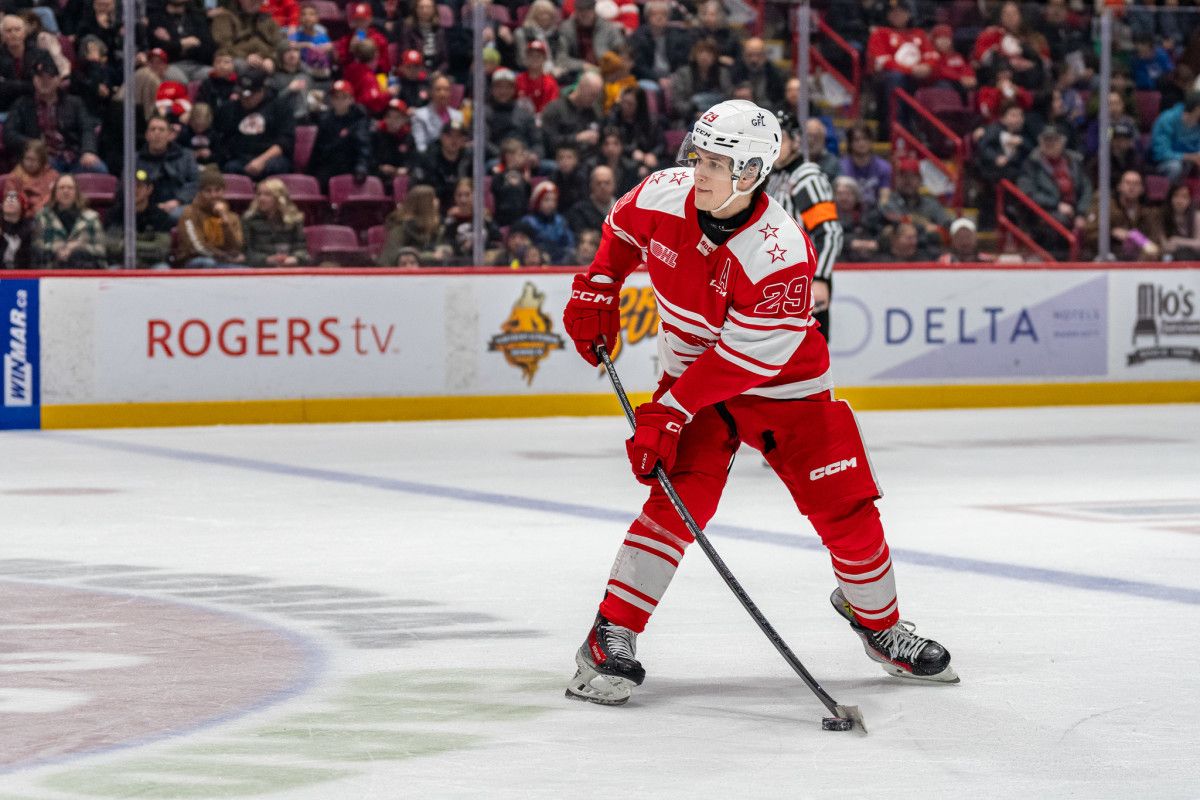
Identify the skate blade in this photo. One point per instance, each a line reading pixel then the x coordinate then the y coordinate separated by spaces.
pixel 590 686
pixel 948 675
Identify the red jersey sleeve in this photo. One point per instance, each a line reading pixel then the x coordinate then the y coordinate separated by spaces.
pixel 624 239
pixel 767 320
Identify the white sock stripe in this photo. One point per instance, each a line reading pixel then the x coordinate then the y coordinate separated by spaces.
pixel 878 553
pixel 633 600
pixel 663 532
pixel 645 541
pixel 863 576
pixel 879 593
pixel 890 608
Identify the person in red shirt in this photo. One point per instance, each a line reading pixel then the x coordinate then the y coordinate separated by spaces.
pixel 900 56
pixel 534 83
pixel 950 67
pixel 360 28
pixel 285 12
pixel 990 101
pixel 745 363
pixel 360 73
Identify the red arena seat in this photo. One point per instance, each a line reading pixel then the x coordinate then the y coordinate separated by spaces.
pixel 239 192
pixel 306 137
pixel 336 243
pixel 100 190
pixel 307 195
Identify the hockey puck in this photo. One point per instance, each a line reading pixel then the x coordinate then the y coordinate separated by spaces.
pixel 836 724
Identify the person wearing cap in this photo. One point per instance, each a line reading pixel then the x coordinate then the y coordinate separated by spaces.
pixel 17 57
pixel 359 16
pixel 153 226
pixel 427 121
pixel 964 244
pixel 534 84
pixel 412 81
pixel 173 171
pixel 421 32
pixel 392 145
pixel 1123 153
pixel 255 135
pixel 181 29
pixel 542 25
pixel 292 81
pixel 908 202
pixel 899 55
pixel 316 48
pixel 1175 139
pixel 147 79
pixel 949 67
pixel 1054 178
pixel 343 138
pixel 71 139
pixel 551 232
pixel 251 35
pixel 587 37
pixel 508 118
pixel 16 232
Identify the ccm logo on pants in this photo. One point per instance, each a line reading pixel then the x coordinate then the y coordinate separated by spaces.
pixel 833 469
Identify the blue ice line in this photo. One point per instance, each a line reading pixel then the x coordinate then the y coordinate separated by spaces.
pixel 997 569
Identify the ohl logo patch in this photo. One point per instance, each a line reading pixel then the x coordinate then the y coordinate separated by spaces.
pixel 526 336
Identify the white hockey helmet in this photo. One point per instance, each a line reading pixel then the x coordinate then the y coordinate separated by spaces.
pixel 746 133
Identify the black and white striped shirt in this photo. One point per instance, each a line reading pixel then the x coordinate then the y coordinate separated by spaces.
pixel 807 196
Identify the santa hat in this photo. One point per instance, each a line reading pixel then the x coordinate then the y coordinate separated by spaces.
pixel 171 99
pixel 628 16
pixel 539 191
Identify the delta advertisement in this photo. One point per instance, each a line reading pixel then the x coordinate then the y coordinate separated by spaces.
pixel 197 338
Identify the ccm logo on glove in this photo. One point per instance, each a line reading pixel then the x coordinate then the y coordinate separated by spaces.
pixel 592 297
pixel 833 469
pixel 654 440
pixel 592 316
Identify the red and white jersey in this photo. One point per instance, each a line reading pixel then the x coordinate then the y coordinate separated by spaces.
pixel 736 318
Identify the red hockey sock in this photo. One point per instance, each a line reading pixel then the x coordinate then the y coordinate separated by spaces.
pixel 862 562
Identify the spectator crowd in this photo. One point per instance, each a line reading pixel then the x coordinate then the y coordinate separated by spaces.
pixel 300 132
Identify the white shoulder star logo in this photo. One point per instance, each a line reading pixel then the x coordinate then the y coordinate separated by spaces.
pixel 776 253
pixel 767 231
pixel 678 177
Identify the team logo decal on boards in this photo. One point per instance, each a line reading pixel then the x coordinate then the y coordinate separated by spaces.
pixel 527 335
pixel 721 282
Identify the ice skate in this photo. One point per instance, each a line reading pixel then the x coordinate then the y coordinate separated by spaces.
pixel 608 670
pixel 898 649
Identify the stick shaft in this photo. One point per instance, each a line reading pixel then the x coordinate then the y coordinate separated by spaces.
pixel 715 558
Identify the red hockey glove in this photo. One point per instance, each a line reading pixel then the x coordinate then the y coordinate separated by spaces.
pixel 654 440
pixel 593 315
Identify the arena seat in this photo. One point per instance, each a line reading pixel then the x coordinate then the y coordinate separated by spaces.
pixel 306 194
pixel 376 238
pixel 239 192
pixel 99 189
pixel 358 205
pixel 337 243
pixel 306 137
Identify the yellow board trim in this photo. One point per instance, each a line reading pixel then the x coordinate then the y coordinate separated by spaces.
pixel 380 409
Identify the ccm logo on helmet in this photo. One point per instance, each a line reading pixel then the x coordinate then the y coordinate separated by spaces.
pixel 833 469
pixel 592 297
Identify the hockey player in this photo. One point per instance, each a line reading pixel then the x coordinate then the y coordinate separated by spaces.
pixel 805 194
pixel 733 275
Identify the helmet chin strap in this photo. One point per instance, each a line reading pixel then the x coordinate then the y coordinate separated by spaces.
pixel 736 194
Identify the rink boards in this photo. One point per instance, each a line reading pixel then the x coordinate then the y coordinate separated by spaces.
pixel 180 348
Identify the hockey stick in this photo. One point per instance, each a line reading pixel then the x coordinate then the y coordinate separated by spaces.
pixel 842 714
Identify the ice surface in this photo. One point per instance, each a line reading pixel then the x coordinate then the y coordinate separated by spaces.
pixel 391 611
